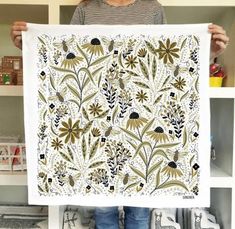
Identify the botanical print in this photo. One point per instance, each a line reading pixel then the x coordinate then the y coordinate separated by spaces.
pixel 118 115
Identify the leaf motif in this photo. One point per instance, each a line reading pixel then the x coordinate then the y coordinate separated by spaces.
pixel 165 89
pixel 62 69
pixel 65 157
pixel 158 178
pixel 99 80
pixel 131 73
pixel 74 101
pixel 165 81
pixel 173 183
pixel 87 127
pixel 185 137
pixel 84 148
pixel 72 168
pixel 146 127
pixel 154 167
pixel 74 91
pixel 191 160
pixel 142 156
pixel 195 38
pixel 52 82
pixel 94 149
pixel 154 68
pixel 68 76
pixel 196 85
pixel 132 144
pixel 114 114
pixel 138 172
pixel 130 134
pixel 40 188
pixel 150 47
pixel 96 164
pixel 70 153
pixel 184 95
pixel 144 69
pixel 183 43
pixel 44 115
pixel 82 53
pixel 41 96
pixel 159 152
pixel 131 185
pixel 40 39
pixel 170 145
pixel 71 181
pixel 140 146
pixel 147 108
pixel 87 71
pixel 46 187
pixel 158 99
pixel 120 60
pixel 140 84
pixel 89 97
pixel 97 71
pixel 100 60
pixel 85 114
pixel 103 114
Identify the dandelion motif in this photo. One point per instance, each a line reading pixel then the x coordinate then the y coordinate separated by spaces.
pixel 94 47
pixel 135 121
pixel 141 96
pixel 71 60
pixel 179 83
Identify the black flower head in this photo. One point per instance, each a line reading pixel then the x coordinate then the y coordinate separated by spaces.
pixel 158 134
pixel 94 47
pixel 71 60
pixel 172 170
pixel 135 121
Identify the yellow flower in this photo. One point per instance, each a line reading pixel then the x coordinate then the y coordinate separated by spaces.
pixel 142 52
pixel 56 144
pixel 179 83
pixel 171 170
pixel 141 96
pixel 167 51
pixel 95 109
pixel 94 47
pixel 131 61
pixel 95 132
pixel 71 60
pixel 70 130
pixel 158 134
pixel 135 121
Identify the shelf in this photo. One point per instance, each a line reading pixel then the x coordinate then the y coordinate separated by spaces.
pixel 6 90
pixel 222 92
pixel 13 178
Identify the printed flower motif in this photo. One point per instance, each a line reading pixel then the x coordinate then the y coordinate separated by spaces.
pixel 71 60
pixel 179 83
pixel 70 130
pixel 141 96
pixel 171 170
pixel 167 51
pixel 56 144
pixel 131 61
pixel 95 132
pixel 142 52
pixel 135 121
pixel 158 134
pixel 62 111
pixel 94 47
pixel 95 109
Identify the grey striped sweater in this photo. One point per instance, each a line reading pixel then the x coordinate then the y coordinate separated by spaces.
pixel 99 12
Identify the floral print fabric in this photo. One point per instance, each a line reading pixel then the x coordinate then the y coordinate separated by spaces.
pixel 118 115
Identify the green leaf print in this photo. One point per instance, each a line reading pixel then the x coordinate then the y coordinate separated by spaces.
pixel 138 172
pixel 144 69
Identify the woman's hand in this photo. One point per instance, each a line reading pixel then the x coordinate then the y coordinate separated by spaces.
pixel 16 34
pixel 219 40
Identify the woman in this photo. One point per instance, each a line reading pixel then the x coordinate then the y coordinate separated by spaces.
pixel 124 12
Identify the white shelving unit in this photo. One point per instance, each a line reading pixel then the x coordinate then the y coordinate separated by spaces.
pixel 222 181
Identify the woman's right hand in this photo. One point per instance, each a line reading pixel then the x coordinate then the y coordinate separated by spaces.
pixel 16 34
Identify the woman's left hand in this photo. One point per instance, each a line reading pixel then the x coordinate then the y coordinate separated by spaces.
pixel 219 40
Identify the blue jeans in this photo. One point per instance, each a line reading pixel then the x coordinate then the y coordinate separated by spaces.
pixel 135 218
